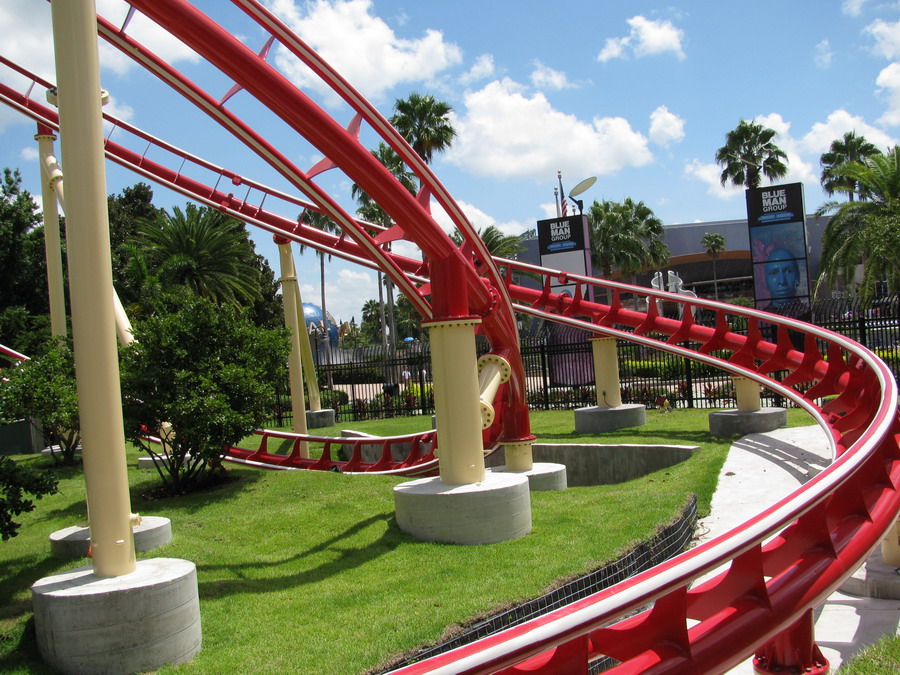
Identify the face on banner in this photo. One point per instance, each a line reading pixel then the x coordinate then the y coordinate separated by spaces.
pixel 778 246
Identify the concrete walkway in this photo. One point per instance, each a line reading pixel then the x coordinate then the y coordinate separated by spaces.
pixel 760 470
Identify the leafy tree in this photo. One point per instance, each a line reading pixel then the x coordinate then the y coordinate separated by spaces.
pixel 372 326
pixel 203 373
pixel 425 123
pixel 627 236
pixel 43 391
pixel 321 222
pixel 126 211
pixel 204 250
pixel 23 281
pixel 16 482
pixel 865 232
pixel 850 148
pixel 714 243
pixel 750 153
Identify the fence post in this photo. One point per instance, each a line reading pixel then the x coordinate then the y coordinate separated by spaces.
pixel 545 377
pixel 689 381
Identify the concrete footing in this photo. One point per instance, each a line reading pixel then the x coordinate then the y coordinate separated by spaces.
pixel 496 509
pixel 73 542
pixel 317 419
pixel 127 624
pixel 874 579
pixel 49 452
pixel 595 420
pixel 724 423
pixel 542 476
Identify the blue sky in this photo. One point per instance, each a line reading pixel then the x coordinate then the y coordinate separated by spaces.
pixel 639 94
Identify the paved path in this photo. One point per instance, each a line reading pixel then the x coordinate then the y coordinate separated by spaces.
pixel 760 470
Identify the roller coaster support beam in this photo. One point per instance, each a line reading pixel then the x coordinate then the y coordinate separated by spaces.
pixel 52 252
pixel 453 365
pixel 91 290
pixel 289 289
pixel 606 372
pixel 793 651
pixel 747 394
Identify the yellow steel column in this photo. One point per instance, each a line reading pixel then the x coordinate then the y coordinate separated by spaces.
pixel 606 372
pixel 90 287
pixel 52 252
pixel 456 400
pixel 747 393
pixel 291 322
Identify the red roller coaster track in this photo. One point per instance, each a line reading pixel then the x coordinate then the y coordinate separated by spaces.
pixel 778 565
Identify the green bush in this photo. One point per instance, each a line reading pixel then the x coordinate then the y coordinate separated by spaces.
pixel 333 398
pixel 201 374
pixel 44 389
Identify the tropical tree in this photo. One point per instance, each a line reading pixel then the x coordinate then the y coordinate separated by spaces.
pixel 714 243
pixel 850 148
pixel 425 123
pixel 865 232
pixel 626 236
pixel 204 250
pixel 321 222
pixel 750 153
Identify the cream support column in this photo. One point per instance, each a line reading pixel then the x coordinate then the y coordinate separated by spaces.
pixel 747 393
pixel 90 287
pixel 52 252
pixel 890 546
pixel 306 357
pixel 291 322
pixel 606 372
pixel 453 359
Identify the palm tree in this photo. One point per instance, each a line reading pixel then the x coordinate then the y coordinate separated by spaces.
pixel 425 123
pixel 865 232
pixel 368 209
pixel 850 148
pixel 625 235
pixel 204 250
pixel 321 222
pixel 748 154
pixel 714 243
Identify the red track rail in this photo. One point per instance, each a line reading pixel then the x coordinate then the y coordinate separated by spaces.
pixel 778 565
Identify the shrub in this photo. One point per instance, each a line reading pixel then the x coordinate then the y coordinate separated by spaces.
pixel 202 373
pixel 333 398
pixel 15 482
pixel 44 389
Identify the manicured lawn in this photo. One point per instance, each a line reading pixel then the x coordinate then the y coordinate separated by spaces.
pixel 308 572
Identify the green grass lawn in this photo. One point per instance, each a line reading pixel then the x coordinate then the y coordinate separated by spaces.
pixel 308 572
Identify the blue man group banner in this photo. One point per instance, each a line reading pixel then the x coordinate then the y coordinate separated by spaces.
pixel 564 244
pixel 777 226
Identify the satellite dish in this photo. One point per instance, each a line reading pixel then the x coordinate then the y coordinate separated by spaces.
pixel 582 186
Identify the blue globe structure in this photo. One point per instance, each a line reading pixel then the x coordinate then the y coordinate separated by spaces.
pixel 312 314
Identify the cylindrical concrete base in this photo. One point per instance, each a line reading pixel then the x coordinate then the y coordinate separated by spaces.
pixel 317 419
pixel 493 510
pixel 724 423
pixel 542 476
pixel 596 420
pixel 73 542
pixel 126 624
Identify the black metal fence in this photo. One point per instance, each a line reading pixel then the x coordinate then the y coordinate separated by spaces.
pixel 372 382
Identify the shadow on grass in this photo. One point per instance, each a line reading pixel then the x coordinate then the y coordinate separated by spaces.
pixel 348 558
pixel 143 493
pixel 21 573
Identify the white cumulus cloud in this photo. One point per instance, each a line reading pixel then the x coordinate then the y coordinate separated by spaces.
pixel 361 46
pixel 482 69
pixel 888 81
pixel 505 133
pixel 646 38
pixel 839 122
pixel 887 38
pixel 544 77
pixel 852 7
pixel 666 127
pixel 823 55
